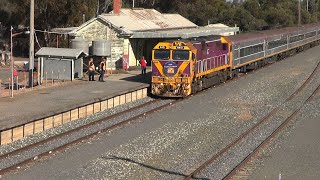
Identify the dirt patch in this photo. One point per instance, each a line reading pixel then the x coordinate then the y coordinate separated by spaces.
pixel 245 116
pixel 243 110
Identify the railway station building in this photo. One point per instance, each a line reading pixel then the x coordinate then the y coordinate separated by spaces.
pixel 134 32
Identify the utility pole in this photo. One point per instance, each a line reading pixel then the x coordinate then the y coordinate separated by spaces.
pixel 317 9
pixel 299 13
pixel 132 4
pixel 11 59
pixel 31 48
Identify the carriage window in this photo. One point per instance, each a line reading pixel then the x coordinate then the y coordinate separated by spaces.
pixel 277 43
pixel 161 54
pixel 296 38
pixel 251 50
pixel 311 34
pixel 180 55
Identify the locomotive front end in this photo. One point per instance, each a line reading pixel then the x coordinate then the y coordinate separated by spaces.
pixel 171 69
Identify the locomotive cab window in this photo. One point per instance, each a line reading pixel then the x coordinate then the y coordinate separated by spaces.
pixel 180 55
pixel 161 54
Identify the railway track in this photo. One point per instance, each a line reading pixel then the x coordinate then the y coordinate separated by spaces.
pixel 202 169
pixel 15 159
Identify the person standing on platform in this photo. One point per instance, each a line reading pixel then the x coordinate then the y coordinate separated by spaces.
pixel 102 70
pixel 15 75
pixel 143 64
pixel 91 70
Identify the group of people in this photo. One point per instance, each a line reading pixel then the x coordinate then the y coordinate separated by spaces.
pixel 92 70
pixel 102 68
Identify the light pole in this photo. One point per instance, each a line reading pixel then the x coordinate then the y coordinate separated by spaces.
pixel 299 12
pixel 31 48
pixel 12 63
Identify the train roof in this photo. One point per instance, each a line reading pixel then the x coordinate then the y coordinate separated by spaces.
pixel 197 39
pixel 273 32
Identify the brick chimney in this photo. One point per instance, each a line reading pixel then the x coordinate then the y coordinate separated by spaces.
pixel 117 6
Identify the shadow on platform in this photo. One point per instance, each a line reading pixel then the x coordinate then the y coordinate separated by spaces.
pixel 139 78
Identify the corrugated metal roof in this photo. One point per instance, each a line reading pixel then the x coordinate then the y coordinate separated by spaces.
pixel 146 20
pixel 60 52
pixel 217 25
pixel 186 33
pixel 149 23
pixel 63 30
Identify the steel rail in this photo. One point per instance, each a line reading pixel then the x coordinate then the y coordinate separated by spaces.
pixel 50 139
pixel 304 84
pixel 268 140
pixel 203 165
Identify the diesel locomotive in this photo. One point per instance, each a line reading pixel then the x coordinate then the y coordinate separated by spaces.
pixel 184 67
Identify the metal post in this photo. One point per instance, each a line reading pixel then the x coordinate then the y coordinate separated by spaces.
pixel 57 41
pixel 10 87
pixel 31 49
pixel 39 73
pixel 317 9
pixel 25 79
pixel 12 64
pixel 132 4
pixel 17 83
pixel 46 78
pixel 299 13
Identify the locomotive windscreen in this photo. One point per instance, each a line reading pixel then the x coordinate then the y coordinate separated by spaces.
pixel 161 54
pixel 180 55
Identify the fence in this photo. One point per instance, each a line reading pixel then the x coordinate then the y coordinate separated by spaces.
pixel 21 81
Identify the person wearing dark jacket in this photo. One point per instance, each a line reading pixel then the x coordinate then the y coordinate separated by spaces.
pixel 102 68
pixel 91 70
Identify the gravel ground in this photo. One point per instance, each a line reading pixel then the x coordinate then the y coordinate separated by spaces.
pixel 167 144
pixel 220 169
pixel 295 153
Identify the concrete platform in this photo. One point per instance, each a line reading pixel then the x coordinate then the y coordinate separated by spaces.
pixel 48 101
